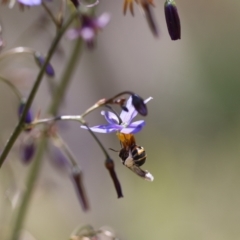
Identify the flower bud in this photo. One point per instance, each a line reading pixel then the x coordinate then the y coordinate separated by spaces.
pixel 172 19
pixel 27 150
pixel 139 105
pixel 109 164
pixel 28 118
pixel 40 61
pixel 76 175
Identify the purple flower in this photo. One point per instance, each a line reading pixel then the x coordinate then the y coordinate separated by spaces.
pixel 89 27
pixel 27 150
pixel 30 2
pixel 122 124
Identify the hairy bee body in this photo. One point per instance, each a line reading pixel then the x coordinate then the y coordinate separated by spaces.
pixel 134 155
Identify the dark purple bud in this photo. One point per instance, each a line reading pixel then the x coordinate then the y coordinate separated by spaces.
pixel 109 164
pixel 79 187
pixel 172 19
pixel 139 105
pixel 40 61
pixel 28 118
pixel 27 150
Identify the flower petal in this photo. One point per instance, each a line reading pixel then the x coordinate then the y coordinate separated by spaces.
pixel 87 34
pixel 148 99
pixel 73 33
pixel 102 20
pixel 127 117
pixel 134 127
pixel 30 2
pixel 108 128
pixel 110 117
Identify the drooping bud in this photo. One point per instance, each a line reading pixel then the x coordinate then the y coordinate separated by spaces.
pixel 40 61
pixel 172 19
pixel 28 118
pixel 79 187
pixel 109 164
pixel 27 150
pixel 139 105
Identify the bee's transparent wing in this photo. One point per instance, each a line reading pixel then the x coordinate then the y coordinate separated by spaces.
pixel 142 173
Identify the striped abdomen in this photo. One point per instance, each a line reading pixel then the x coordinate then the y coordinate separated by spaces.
pixel 138 154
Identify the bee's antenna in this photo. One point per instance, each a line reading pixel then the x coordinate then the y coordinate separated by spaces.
pixel 113 150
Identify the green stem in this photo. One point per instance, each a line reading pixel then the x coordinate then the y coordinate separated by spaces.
pixel 59 93
pixel 34 171
pixel 13 88
pixel 95 138
pixel 31 180
pixel 67 151
pixel 33 92
pixel 49 12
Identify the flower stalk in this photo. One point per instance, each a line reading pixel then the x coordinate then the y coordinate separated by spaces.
pixel 34 90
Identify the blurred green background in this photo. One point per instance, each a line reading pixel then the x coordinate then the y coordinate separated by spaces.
pixel 192 135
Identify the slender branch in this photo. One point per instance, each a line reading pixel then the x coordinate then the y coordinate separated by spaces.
pixel 33 174
pixel 95 138
pixel 77 118
pixel 33 92
pixel 61 143
pixel 16 50
pixel 12 86
pixel 34 171
pixel 104 102
pixel 49 12
pixel 72 63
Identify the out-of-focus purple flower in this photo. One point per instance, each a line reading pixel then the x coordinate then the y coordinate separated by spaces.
pixel 30 2
pixel 27 150
pixel 89 28
pixel 57 158
pixel 126 125
pixel 40 61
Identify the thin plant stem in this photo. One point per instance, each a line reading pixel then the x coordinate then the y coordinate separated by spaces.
pixel 72 63
pixel 104 102
pixel 13 88
pixel 16 50
pixel 34 171
pixel 49 12
pixel 66 150
pixel 33 92
pixel 96 139
pixel 31 180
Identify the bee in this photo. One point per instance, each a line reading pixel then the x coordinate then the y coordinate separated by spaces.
pixel 133 156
